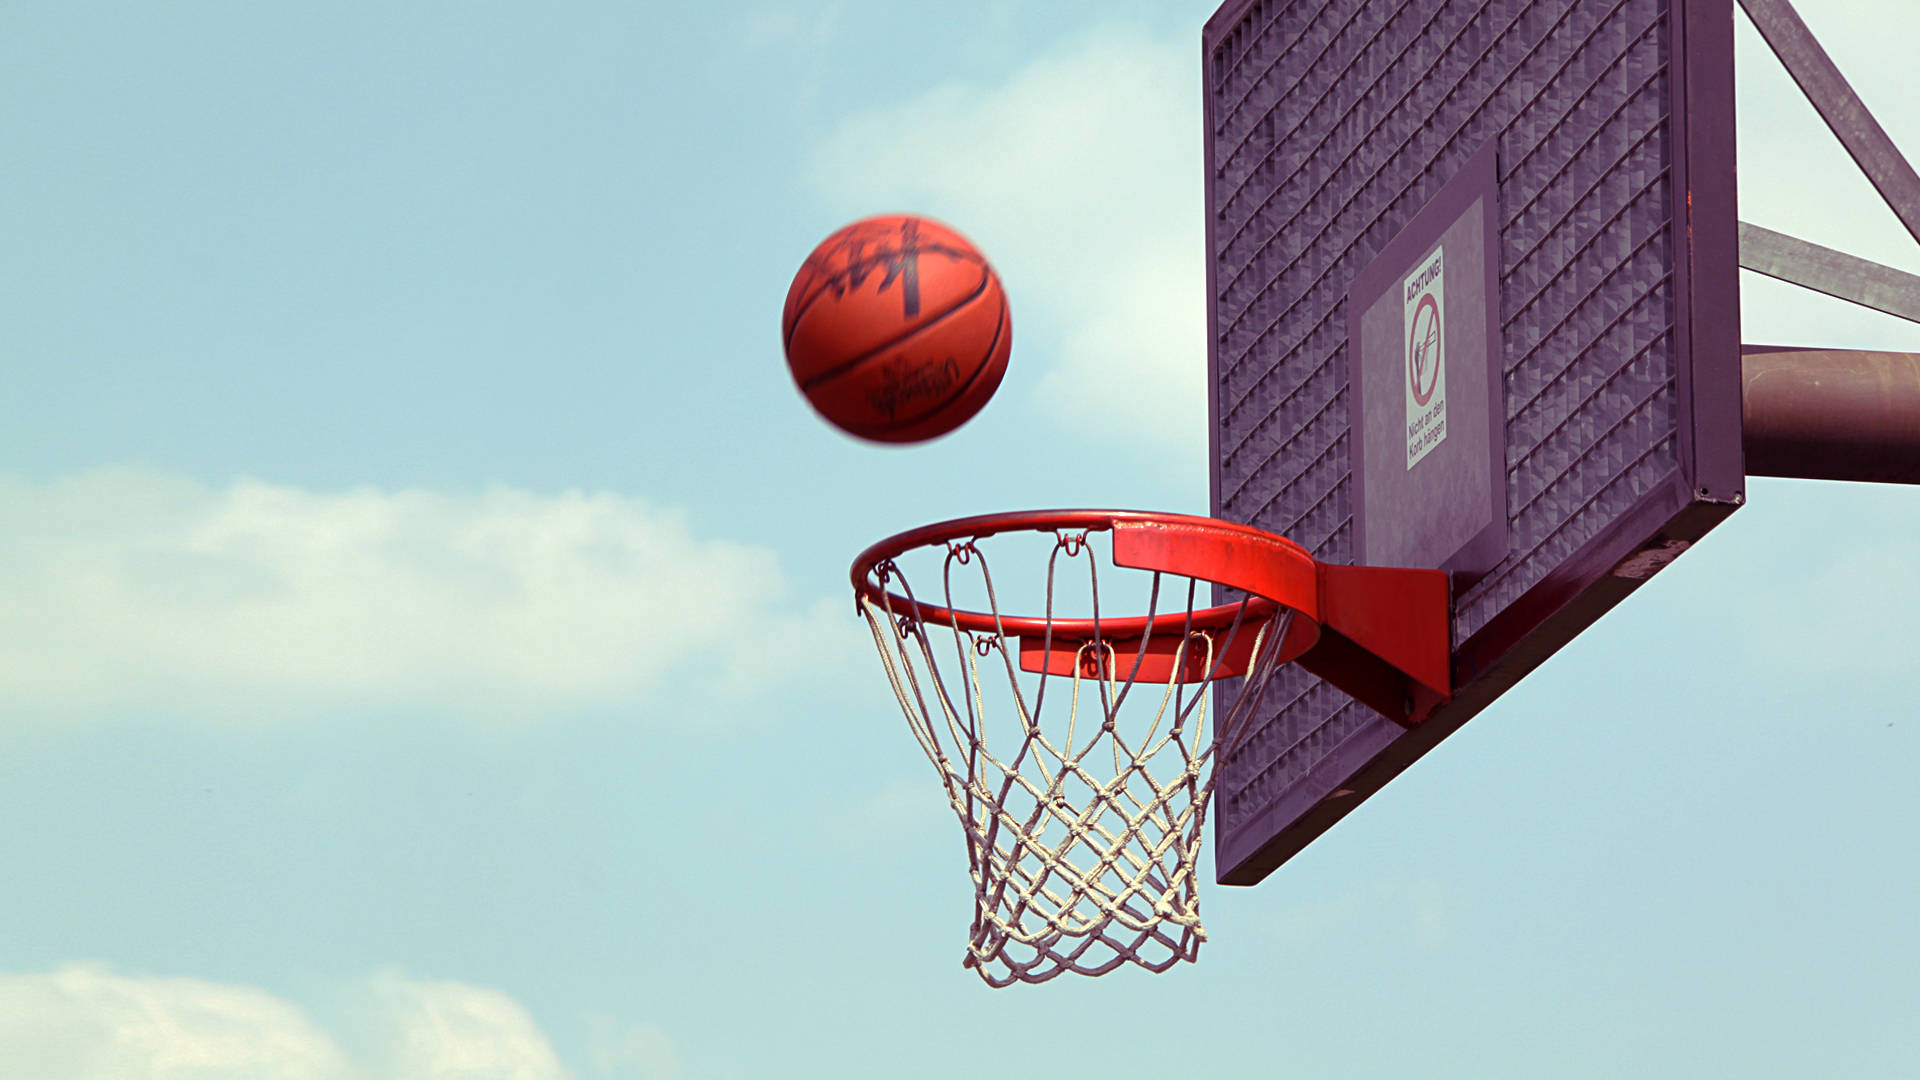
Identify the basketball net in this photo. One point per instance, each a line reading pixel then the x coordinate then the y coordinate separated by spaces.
pixel 1083 823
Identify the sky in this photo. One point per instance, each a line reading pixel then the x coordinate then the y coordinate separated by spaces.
pixel 425 649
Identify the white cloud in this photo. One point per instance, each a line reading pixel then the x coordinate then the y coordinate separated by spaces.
pixel 83 1023
pixel 451 1031
pixel 1080 177
pixel 137 590
pixel 89 1023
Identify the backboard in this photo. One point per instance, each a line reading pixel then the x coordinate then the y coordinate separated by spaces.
pixel 1474 306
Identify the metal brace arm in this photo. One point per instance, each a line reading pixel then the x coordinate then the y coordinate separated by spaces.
pixel 1825 270
pixel 1839 106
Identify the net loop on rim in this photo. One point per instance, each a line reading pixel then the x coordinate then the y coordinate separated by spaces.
pixel 1083 828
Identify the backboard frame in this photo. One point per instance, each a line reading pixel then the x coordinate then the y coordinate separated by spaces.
pixel 1706 484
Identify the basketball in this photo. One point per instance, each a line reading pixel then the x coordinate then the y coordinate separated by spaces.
pixel 896 329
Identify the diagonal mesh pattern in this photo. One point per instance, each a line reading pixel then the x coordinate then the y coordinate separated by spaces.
pixel 1333 122
pixel 1083 795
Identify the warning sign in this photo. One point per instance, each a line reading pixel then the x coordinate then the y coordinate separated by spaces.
pixel 1426 377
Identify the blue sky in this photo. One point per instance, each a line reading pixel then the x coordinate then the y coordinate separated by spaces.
pixel 424 648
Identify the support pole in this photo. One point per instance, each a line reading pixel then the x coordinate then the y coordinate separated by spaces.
pixel 1831 414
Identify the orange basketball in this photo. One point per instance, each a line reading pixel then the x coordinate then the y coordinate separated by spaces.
pixel 896 329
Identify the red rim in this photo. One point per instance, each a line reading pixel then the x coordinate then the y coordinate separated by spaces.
pixel 1228 540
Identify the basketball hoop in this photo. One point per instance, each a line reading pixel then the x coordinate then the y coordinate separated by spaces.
pixel 1084 829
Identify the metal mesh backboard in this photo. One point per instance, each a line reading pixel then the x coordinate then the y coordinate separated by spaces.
pixel 1531 198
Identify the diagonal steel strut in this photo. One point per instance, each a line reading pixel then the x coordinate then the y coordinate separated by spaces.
pixel 1834 273
pixel 1839 106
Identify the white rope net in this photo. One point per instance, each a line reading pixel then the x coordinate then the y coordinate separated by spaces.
pixel 1083 824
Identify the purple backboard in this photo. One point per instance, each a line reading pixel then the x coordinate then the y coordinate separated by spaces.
pixel 1474 306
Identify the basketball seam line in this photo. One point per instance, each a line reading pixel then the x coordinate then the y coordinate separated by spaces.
pixel 846 365
pixel 999 326
pixel 829 279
